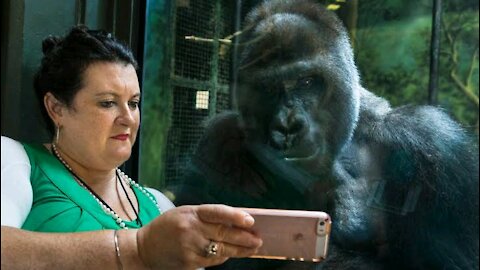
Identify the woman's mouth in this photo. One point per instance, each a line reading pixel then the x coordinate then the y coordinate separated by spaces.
pixel 121 137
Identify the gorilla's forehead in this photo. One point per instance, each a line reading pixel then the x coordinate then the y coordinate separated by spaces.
pixel 292 33
pixel 286 38
pixel 286 26
pixel 318 65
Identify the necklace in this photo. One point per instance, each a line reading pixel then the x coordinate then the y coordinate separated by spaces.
pixel 128 198
pixel 121 176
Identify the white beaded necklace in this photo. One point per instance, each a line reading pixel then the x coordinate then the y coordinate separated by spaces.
pixel 106 208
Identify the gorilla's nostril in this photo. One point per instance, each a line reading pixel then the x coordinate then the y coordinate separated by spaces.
pixel 296 126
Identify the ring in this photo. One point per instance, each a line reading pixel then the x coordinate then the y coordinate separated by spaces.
pixel 211 249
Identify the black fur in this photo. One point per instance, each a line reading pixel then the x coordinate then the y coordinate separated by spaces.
pixel 401 184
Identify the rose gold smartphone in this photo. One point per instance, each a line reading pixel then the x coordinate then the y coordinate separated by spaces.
pixel 291 234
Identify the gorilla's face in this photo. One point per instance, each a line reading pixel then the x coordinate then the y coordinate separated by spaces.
pixel 287 112
pixel 297 89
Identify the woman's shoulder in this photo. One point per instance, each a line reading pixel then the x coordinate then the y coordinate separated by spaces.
pixel 13 152
pixel 163 201
pixel 36 149
pixel 17 193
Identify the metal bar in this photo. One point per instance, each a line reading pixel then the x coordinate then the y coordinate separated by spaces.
pixel 235 54
pixel 173 32
pixel 132 10
pixel 212 104
pixel 80 6
pixel 434 52
pixel 114 17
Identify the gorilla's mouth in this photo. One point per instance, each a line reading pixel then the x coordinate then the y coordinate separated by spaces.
pixel 304 158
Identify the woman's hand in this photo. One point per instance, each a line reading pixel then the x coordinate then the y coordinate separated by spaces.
pixel 178 239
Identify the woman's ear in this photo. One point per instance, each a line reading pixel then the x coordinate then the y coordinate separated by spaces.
pixel 54 107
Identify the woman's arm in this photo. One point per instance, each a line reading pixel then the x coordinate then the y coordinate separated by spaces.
pixel 174 240
pixel 23 249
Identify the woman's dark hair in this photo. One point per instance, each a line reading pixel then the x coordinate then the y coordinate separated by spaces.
pixel 66 59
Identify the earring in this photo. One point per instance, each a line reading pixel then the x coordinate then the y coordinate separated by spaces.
pixel 57 134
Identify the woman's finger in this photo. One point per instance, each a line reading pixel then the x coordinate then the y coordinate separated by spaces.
pixel 222 214
pixel 231 235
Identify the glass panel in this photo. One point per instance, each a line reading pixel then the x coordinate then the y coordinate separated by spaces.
pixel 279 127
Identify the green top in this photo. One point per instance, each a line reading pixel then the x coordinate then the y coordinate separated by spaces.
pixel 60 204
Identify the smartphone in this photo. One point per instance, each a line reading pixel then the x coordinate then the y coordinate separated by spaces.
pixel 291 234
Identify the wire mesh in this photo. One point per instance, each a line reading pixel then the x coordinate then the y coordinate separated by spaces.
pixel 193 59
pixel 185 130
pixel 194 71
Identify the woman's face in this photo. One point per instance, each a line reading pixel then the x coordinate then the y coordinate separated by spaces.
pixel 100 127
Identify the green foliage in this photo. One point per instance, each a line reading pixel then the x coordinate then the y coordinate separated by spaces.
pixel 393 60
pixel 392 48
pixel 460 56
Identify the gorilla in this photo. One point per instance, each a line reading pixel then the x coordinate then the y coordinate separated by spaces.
pixel 401 184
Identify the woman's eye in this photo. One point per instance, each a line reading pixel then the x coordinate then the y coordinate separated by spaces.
pixel 305 82
pixel 107 104
pixel 133 104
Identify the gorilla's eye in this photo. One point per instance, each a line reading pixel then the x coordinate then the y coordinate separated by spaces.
pixel 305 82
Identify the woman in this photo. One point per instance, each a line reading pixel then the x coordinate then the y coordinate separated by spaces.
pixel 89 91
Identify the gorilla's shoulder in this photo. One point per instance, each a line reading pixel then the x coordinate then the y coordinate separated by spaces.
pixel 408 125
pixel 424 131
pixel 422 124
pixel 223 139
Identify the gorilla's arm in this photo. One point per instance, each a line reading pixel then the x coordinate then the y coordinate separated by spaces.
pixel 424 199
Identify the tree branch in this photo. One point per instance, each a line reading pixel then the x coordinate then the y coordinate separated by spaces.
pixel 472 67
pixel 464 88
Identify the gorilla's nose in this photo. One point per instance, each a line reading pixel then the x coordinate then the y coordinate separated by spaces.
pixel 287 129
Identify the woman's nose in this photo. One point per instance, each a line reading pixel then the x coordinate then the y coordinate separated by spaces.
pixel 127 115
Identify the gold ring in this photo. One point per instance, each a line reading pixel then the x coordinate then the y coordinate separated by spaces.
pixel 211 249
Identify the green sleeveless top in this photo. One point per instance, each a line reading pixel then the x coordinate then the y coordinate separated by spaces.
pixel 60 204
